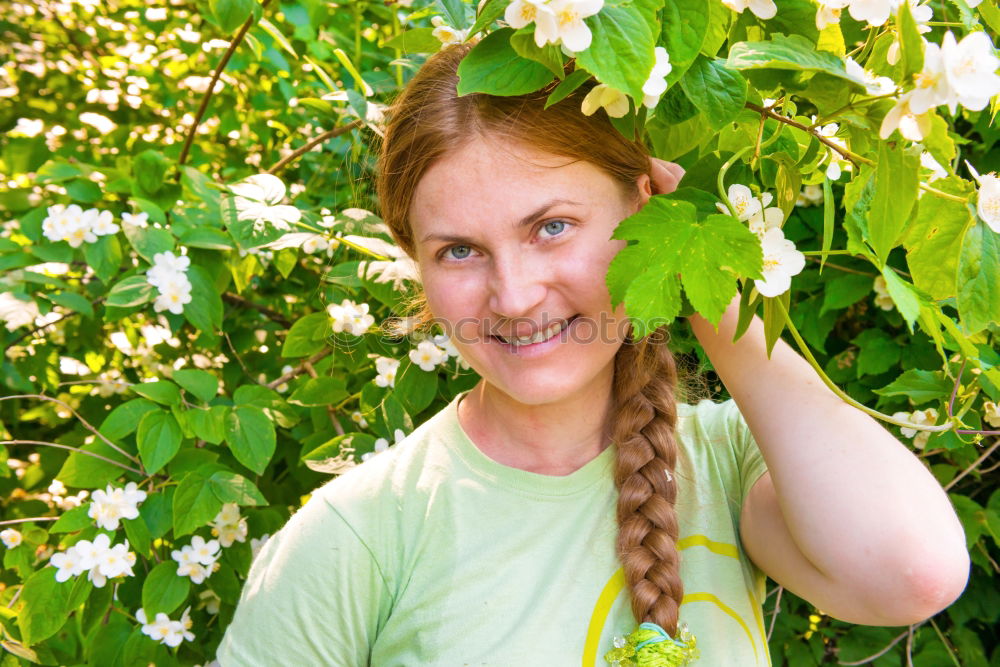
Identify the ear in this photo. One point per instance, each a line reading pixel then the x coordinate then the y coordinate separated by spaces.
pixel 645 187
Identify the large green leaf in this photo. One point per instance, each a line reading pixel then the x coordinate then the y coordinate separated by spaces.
pixel 132 291
pixel 684 28
pixel 621 52
pixel 161 391
pixel 709 253
pixel 195 503
pixel 897 178
pixel 717 91
pixel 307 335
pixel 202 384
pixel 89 472
pixel 920 386
pixel 204 312
pixel 979 278
pixel 148 241
pixel 251 437
pixel 45 603
pixel 104 256
pixel 320 391
pixel 786 52
pixel 495 68
pixel 230 487
pixel 164 590
pixel 230 14
pixel 159 437
pixel 935 238
pixel 124 419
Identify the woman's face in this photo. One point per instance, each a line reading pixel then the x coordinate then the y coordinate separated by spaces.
pixel 511 241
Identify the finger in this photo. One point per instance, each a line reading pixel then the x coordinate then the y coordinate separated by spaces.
pixel 665 175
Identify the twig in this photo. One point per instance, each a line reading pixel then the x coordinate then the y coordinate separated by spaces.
pixel 29 519
pixel 774 614
pixel 842 268
pixel 951 650
pixel 974 465
pixel 876 656
pixel 312 143
pixel 846 154
pixel 237 40
pixel 43 443
pixel 83 421
pixel 44 326
pixel 273 315
pixel 329 408
pixel 299 370
pixel 239 359
pixel 909 646
pixel 942 194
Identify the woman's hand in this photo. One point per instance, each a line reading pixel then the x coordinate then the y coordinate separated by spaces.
pixel 665 176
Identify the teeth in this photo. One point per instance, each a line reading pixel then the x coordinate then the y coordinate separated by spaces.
pixel 540 336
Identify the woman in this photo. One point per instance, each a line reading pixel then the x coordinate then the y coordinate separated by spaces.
pixel 570 494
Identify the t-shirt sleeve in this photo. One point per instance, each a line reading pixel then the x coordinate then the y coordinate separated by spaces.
pixel 315 595
pixel 749 459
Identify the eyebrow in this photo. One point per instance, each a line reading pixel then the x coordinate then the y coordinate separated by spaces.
pixel 525 221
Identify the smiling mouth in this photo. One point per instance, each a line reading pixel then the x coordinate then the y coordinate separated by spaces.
pixel 544 335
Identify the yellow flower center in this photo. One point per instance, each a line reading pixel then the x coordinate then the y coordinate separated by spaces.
pixel 528 12
pixel 568 16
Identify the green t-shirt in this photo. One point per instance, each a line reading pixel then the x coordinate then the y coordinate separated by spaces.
pixel 434 554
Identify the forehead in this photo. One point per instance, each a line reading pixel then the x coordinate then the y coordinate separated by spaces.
pixel 493 182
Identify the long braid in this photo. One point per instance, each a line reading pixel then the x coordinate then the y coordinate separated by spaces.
pixel 644 416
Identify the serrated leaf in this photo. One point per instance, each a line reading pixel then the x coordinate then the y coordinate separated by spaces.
pixel 685 25
pixel 75 302
pixel 495 68
pixel 979 278
pixel 73 520
pixel 709 253
pixel 904 295
pixel 417 40
pixel 251 437
pixel 622 41
pixel 787 52
pixel 717 91
pixel 920 386
pixel 148 241
pixel 204 312
pixel 934 240
pixel 104 256
pixel 194 504
pixel 897 179
pixel 230 487
pixel 490 12
pixel 307 335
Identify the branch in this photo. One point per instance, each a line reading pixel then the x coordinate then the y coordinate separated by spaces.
pixel 975 464
pixel 237 40
pixel 312 143
pixel 847 155
pixel 34 518
pixel 72 449
pixel 876 656
pixel 273 315
pixel 300 369
pixel 329 409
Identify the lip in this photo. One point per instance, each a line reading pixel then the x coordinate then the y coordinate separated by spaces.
pixel 535 349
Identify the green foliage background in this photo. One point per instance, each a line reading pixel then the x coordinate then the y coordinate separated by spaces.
pixel 252 392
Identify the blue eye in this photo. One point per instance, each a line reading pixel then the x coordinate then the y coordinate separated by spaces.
pixel 560 225
pixel 459 255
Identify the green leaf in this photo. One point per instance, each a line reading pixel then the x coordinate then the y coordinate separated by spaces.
pixel 490 12
pixel 495 68
pixel 149 169
pixel 210 424
pixel 415 388
pixel 148 241
pixel 251 437
pixel 719 92
pixel 208 238
pixel 195 504
pixel 159 437
pixel 106 641
pixel 845 289
pixel 878 352
pixel 204 312
pixel 709 254
pixel 897 178
pixel 88 472
pixel 164 590
pixel 934 240
pixel 104 256
pixel 55 171
pixel 903 295
pixel 979 278
pixel 307 335
pixel 230 14
pixel 232 488
pixel 84 191
pixel 621 50
pixel 75 302
pixel 161 391
pixel 132 291
pixel 787 52
pixel 828 212
pixel 685 25
pixel 549 55
pixel 138 535
pixel 277 36
pixel 124 419
pixel 157 512
pixel 73 520
pixel 320 391
pixel 417 40
pixel 920 386
pixel 202 384
pixel 45 606
pixel 911 44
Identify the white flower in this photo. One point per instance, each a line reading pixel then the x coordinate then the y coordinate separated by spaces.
pixel 174 295
pixel 912 125
pixel 970 70
pixel 258 199
pixel 656 84
pixel 209 600
pixel 561 22
pixel 614 101
pixel 136 219
pixel 28 127
pixel 446 34
pixel 165 631
pixel 109 506
pixel 57 488
pixel 810 195
pixel 15 312
pixel 350 317
pixel 828 12
pixel 927 161
pixel 90 553
pixel 762 9
pixel 156 14
pixel 205 553
pixel 781 262
pixel 386 369
pixel 769 218
pixel 381 444
pixel 837 164
pixel 522 12
pixel 991 413
pixel 359 419
pixel 10 538
pixel 442 341
pixel 101 223
pixel 428 355
pixel 315 243
pixel 166 267
pixel 191 562
pixel 102 124
pixel 921 15
pixel 875 85
pixel 395 270
pixel 116 561
pixel 257 544
pixel 882 298
pixel 988 198
pixel 743 201
pixel 229 526
pixel 876 12
pixel 922 417
pixel 69 564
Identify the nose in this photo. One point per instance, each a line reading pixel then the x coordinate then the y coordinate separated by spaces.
pixel 517 287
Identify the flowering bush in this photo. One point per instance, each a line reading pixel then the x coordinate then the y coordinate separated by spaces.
pixel 194 288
